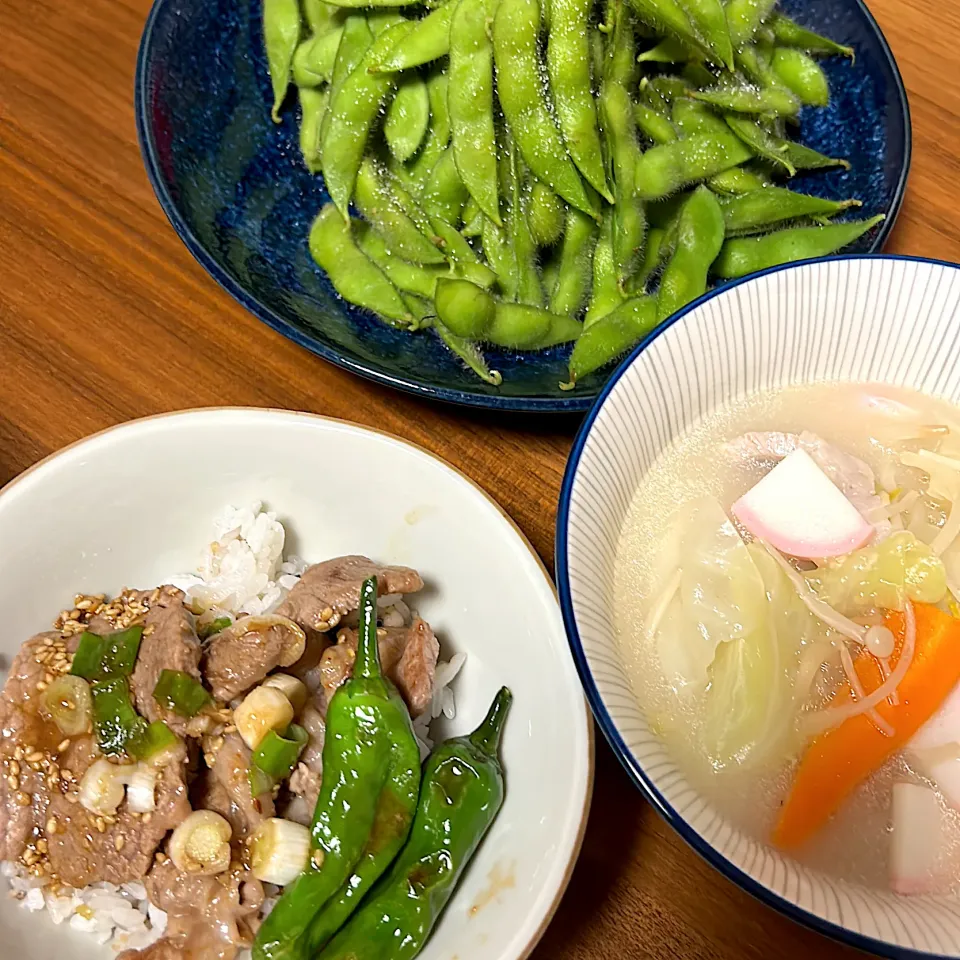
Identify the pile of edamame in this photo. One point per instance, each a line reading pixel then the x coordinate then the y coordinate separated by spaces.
pixel 536 172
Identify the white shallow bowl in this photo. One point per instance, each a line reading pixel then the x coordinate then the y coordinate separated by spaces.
pixel 889 319
pixel 133 505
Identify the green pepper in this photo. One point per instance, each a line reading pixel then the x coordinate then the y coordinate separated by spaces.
pixel 181 693
pixel 368 796
pixel 99 657
pixel 461 794
pixel 214 626
pixel 117 723
pixel 154 740
pixel 275 758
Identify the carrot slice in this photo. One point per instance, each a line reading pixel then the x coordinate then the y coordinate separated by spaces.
pixel 838 761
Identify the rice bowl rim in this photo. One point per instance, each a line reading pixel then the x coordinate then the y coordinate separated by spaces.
pixel 577 844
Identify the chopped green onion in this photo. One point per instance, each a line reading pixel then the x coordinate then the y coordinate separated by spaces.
pixel 181 693
pixel 109 656
pixel 214 626
pixel 116 722
pixel 155 739
pixel 89 656
pixel 276 757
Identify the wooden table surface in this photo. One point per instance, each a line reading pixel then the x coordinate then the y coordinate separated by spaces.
pixel 94 281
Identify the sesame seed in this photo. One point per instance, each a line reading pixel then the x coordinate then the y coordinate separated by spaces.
pixel 42 845
pixel 48 677
pixel 23 800
pixel 34 757
pixel 41 686
pixel 317 858
pixel 15 768
pixel 51 826
pixel 18 753
pixel 62 745
pixel 48 641
pixel 100 825
pixel 161 857
pixel 30 857
pixel 66 774
pixel 118 842
pixel 14 782
pixel 147 817
pixel 148 629
pixel 326 614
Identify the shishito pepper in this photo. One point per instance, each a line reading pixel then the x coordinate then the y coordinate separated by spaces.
pixel 368 796
pixel 461 793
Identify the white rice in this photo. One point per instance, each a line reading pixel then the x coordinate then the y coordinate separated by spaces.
pixel 242 571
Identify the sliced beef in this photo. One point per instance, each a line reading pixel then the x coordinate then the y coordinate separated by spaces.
pixel 242 655
pixel 169 643
pixel 304 783
pixel 225 787
pixel 328 591
pixel 208 918
pixel 38 791
pixel 408 656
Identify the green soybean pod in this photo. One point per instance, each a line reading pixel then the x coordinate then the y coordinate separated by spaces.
pixel 738 180
pixel 355 277
pixel 669 18
pixel 472 219
pixel 499 253
pixel 767 101
pixel 568 67
pixel 529 289
pixel 709 20
pixel 313 62
pixel 606 293
pixel 470 102
pixel 612 336
pixel 806 158
pixel 665 169
pixel 281 36
pixel 516 30
pixel 802 74
pixel 743 255
pixel 667 50
pixel 355 40
pixel 380 206
pixel 789 34
pixel 429 40
pixel 699 237
pixel 575 264
pixel 458 251
pixel 464 308
pixel 520 326
pixel 319 15
pixel 416 278
pixel 652 256
pixel 408 117
pixel 444 194
pixel 313 106
pixel 469 353
pixel 762 143
pixel 654 126
pixel 546 214
pixel 438 132
pixel 692 117
pixel 761 209
pixel 745 16
pixel 352 111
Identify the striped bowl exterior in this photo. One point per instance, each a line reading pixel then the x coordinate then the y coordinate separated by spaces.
pixel 886 319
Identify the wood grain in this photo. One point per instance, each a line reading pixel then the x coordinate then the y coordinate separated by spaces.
pixel 93 281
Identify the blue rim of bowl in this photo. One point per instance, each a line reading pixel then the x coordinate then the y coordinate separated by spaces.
pixel 575 403
pixel 607 725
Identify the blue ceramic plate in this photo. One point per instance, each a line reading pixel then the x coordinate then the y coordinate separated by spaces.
pixel 235 189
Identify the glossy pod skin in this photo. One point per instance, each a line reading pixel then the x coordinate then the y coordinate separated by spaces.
pixel 546 214
pixel 743 255
pixel 699 236
pixel 762 143
pixel 665 169
pixel 576 263
pixel 515 37
pixel 470 102
pixel 281 36
pixel 745 16
pixel 613 335
pixel 313 107
pixel 464 308
pixel 462 792
pixel 802 74
pixel 469 353
pixel 414 278
pixel 606 293
pixel 428 40
pixel 789 34
pixel 407 119
pixel 365 810
pixel 762 208
pixel 568 65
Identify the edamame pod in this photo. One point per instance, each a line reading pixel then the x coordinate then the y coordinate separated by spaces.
pixel 743 255
pixel 802 74
pixel 790 34
pixel 768 101
pixel 606 293
pixel 470 102
pixel 516 29
pixel 407 118
pixel 438 132
pixel 464 308
pixel 575 264
pixel 546 214
pixel 353 275
pixel 469 353
pixel 665 169
pixel 444 194
pixel 710 22
pixel 350 115
pixel 381 207
pixel 281 36
pixel 429 40
pixel 737 180
pixel 520 326
pixel 612 336
pixel 654 126
pixel 313 106
pixel 744 16
pixel 762 143
pixel 760 209
pixel 313 62
pixel 568 66
pixel 529 289
pixel 415 278
pixel 700 231
pixel 669 18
